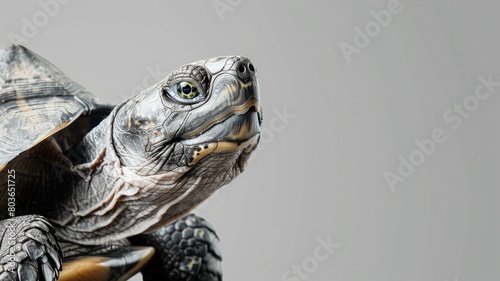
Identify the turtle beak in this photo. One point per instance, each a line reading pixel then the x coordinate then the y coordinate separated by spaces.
pixel 245 70
pixel 235 114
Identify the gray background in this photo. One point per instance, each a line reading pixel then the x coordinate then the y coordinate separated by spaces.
pixel 321 174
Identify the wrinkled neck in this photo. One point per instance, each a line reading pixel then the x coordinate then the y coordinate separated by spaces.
pixel 92 145
pixel 111 201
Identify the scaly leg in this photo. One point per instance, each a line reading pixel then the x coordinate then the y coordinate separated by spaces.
pixel 29 250
pixel 187 249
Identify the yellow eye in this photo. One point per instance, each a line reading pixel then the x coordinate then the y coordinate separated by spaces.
pixel 187 90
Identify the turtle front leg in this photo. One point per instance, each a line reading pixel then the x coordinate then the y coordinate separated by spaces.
pixel 29 250
pixel 187 249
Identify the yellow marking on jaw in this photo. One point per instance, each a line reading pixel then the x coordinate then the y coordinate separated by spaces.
pixel 224 146
pixel 204 151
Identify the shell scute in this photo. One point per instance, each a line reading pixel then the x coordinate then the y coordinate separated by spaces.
pixel 36 101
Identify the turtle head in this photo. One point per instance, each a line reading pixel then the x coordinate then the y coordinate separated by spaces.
pixel 202 116
pixel 169 148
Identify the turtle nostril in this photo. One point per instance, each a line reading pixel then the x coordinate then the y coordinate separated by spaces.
pixel 242 68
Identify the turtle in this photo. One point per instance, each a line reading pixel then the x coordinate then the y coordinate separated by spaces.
pixel 92 191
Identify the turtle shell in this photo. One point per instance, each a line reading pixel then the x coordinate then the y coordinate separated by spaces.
pixel 36 101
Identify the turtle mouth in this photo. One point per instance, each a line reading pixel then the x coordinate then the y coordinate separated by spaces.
pixel 230 116
pixel 238 129
pixel 252 105
pixel 239 132
pixel 236 124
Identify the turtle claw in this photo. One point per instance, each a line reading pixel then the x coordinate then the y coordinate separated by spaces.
pixel 28 270
pixel 48 272
pixel 29 250
pixel 186 250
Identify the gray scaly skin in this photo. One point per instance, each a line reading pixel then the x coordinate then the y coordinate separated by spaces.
pixel 29 247
pixel 157 156
pixel 191 251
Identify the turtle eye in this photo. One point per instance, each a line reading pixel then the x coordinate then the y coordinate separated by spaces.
pixel 185 92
